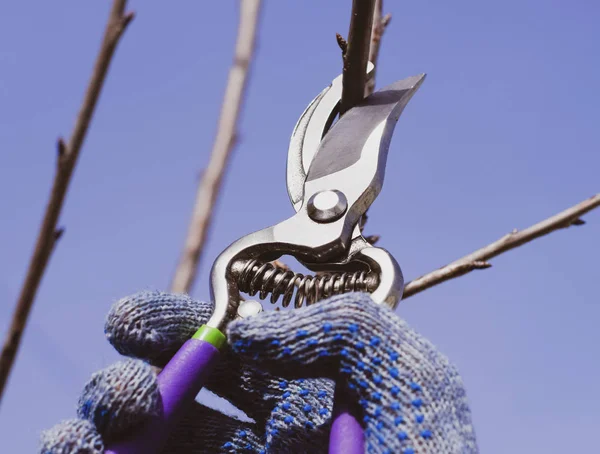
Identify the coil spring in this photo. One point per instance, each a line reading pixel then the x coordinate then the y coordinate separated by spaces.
pixel 266 278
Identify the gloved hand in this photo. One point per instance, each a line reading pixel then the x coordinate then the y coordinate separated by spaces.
pixel 278 371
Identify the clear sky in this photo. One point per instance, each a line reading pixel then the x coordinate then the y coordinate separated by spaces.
pixel 503 133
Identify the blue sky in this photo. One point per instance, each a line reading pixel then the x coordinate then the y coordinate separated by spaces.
pixel 502 134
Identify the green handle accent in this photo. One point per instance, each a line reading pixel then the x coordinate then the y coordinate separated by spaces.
pixel 211 335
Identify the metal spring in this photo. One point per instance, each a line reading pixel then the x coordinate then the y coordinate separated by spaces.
pixel 266 278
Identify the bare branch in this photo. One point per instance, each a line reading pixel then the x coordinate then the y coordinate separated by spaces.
pixel 357 54
pixel 210 183
pixel 379 25
pixel 478 259
pixel 67 155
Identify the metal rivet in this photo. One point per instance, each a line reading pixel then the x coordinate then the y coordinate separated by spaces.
pixel 249 308
pixel 327 206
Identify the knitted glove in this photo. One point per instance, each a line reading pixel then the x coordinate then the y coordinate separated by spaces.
pixel 151 327
pixel 412 400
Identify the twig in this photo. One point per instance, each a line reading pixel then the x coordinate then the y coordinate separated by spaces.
pixel 478 259
pixel 210 183
pixel 379 25
pixel 362 46
pixel 356 54
pixel 66 160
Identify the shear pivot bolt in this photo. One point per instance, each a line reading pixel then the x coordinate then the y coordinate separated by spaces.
pixel 327 206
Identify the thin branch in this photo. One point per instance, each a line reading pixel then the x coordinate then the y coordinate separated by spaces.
pixel 478 259
pixel 210 183
pixel 356 55
pixel 67 155
pixel 379 25
pixel 363 41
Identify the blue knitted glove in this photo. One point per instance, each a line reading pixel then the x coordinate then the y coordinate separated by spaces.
pixel 412 399
pixel 151 327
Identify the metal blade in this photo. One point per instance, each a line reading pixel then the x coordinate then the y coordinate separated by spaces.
pixel 351 158
pixel 308 133
pixel 346 143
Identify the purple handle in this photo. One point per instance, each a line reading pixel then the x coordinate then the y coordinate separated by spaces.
pixel 347 435
pixel 178 383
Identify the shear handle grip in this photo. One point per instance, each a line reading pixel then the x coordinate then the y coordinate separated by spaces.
pixel 178 384
pixel 347 434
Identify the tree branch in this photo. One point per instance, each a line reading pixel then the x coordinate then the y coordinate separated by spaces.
pixel 67 155
pixel 379 25
pixel 478 259
pixel 356 54
pixel 210 183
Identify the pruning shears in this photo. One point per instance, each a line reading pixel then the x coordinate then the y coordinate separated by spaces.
pixel 335 170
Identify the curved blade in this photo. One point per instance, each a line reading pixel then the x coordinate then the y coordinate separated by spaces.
pixel 346 143
pixel 312 125
pixel 352 156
